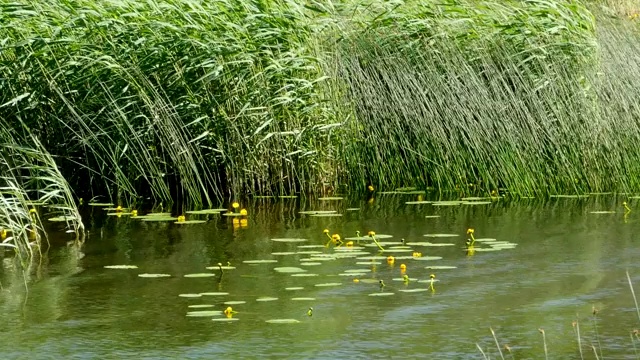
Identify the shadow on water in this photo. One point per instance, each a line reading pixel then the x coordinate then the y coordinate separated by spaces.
pixel 567 260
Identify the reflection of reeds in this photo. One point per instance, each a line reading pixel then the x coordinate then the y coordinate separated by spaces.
pixel 594 312
pixel 493 333
pixel 576 327
pixel 633 294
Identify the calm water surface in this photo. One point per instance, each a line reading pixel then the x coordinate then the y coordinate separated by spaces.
pixel 567 261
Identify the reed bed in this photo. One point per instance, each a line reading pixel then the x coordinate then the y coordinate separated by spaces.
pixel 499 97
pixel 192 101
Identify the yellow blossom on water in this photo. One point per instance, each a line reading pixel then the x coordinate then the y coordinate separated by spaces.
pixel 243 212
pixel 235 205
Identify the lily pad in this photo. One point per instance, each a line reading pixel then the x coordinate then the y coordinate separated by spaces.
pixel 308 263
pixel 224 267
pixel 352 274
pixel 352 209
pixel 368 263
pixel 160 214
pixel 283 321
pixel 486 249
pixel 326 215
pixel 357 271
pixel 234 302
pixel 225 319
pixel 396 251
pixel 190 295
pixel 205 212
pixel 401 279
pixel 200 306
pixel 602 212
pixel 304 275
pixel 432 216
pixel 441 235
pixel 476 203
pixel 214 293
pixel 120 267
pixel 303 299
pixel 232 214
pixel 486 240
pixel 97 204
pixel 418 202
pixel 266 298
pixel 289 269
pixel 283 253
pixel 204 313
pixel 264 261
pixel 200 275
pixel 119 214
pixel 373 257
pixel 440 267
pixel 428 258
pixel 310 246
pixel 145 275
pixel 294 288
pixel 475 198
pixel 290 240
pixel 446 203
pixel 413 290
pixel 382 294
pixel 328 284
pixel 330 198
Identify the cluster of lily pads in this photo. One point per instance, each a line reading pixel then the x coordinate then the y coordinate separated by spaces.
pixel 120 211
pixel 361 255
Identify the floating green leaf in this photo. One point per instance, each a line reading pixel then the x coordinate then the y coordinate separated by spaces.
pixel 289 240
pixel 289 269
pixel 234 302
pixel 214 293
pixel 282 321
pixel 266 298
pixel 120 267
pixel 153 275
pixel 101 204
pixel 204 313
pixel 190 295
pixel 265 261
pixel 200 275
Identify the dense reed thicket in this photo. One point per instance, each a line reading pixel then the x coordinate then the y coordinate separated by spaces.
pixel 194 101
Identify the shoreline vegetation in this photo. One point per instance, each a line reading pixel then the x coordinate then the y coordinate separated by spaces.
pixel 192 102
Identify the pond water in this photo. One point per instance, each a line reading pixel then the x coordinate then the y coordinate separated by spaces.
pixel 567 260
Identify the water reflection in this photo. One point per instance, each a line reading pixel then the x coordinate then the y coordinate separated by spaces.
pixel 567 260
